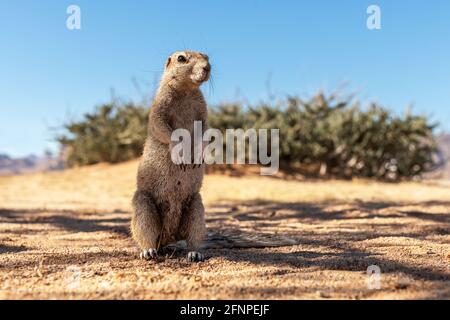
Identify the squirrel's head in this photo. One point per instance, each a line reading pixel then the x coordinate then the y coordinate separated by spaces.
pixel 187 69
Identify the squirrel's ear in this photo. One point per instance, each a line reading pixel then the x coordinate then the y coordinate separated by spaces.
pixel 168 62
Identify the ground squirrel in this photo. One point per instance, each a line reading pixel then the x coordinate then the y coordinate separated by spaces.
pixel 167 203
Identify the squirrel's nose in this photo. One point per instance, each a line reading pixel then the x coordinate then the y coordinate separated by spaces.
pixel 207 68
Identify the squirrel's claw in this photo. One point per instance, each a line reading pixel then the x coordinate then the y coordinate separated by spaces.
pixel 195 256
pixel 150 254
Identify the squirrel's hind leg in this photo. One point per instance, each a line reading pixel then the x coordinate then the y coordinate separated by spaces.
pixel 145 225
pixel 192 227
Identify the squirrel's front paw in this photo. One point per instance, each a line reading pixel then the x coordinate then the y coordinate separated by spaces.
pixel 150 254
pixel 195 256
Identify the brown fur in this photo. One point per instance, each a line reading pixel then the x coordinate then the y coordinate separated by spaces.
pixel 167 203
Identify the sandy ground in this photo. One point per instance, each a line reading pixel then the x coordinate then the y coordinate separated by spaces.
pixel 65 235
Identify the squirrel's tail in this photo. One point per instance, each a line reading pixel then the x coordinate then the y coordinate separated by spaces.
pixel 235 239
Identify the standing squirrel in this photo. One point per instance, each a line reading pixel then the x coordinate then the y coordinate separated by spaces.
pixel 167 206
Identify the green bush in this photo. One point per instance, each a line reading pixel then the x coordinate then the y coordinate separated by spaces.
pixel 334 135
pixel 339 137
pixel 112 133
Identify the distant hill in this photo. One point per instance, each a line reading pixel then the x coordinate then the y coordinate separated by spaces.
pixel 444 147
pixel 443 158
pixel 29 164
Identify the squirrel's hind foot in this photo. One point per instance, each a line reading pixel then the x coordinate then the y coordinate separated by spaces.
pixel 195 256
pixel 149 254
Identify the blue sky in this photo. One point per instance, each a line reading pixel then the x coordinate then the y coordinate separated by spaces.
pixel 49 73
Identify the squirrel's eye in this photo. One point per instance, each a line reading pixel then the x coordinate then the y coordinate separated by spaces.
pixel 182 59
